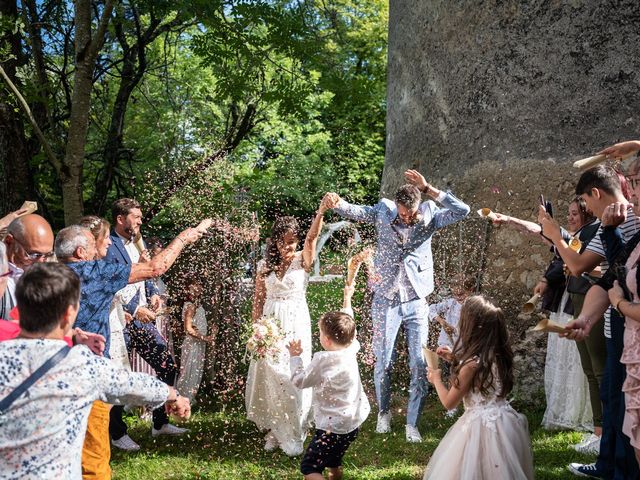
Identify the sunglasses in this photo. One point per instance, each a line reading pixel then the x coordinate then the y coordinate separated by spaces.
pixel 34 256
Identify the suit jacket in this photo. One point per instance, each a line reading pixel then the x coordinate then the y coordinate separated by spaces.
pixel 117 253
pixel 414 255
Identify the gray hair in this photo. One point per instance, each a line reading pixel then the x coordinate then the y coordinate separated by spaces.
pixel 69 240
pixel 4 263
pixel 16 229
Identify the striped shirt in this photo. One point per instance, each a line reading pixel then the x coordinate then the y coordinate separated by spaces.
pixel 628 229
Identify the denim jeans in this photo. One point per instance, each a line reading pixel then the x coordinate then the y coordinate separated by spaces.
pixel 617 458
pixel 388 316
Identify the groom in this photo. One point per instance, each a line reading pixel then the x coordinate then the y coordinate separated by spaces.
pixel 404 267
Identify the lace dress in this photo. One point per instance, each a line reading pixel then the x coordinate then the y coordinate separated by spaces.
pixel 192 356
pixel 565 384
pixel 271 400
pixel 490 441
pixel 631 359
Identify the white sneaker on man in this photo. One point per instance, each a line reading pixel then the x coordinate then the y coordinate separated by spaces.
pixel 590 445
pixel 413 435
pixel 126 443
pixel 168 429
pixel 384 423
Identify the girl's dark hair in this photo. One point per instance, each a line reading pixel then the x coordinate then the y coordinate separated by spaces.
pixel 484 338
pixel 585 215
pixel 281 227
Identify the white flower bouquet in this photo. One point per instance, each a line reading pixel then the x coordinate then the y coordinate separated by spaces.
pixel 265 338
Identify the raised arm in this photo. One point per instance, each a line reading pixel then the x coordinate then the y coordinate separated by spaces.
pixel 454 209
pixel 357 213
pixel 163 261
pixel 522 226
pixel 577 263
pixel 450 398
pixel 311 240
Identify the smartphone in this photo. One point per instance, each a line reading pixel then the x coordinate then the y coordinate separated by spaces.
pixel 547 205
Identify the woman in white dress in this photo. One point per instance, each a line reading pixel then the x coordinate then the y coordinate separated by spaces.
pixel 195 343
pixel 565 384
pixel 273 403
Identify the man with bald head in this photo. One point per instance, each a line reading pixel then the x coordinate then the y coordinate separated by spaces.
pixel 29 240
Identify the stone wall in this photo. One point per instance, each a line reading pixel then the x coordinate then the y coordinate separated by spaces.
pixel 495 100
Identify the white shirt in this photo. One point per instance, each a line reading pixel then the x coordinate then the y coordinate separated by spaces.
pixel 339 402
pixel 43 431
pixel 449 309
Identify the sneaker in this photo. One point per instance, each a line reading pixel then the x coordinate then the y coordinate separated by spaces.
pixel 590 445
pixel 271 442
pixel 384 423
pixel 168 429
pixel 126 443
pixel 586 440
pixel 585 470
pixel 413 435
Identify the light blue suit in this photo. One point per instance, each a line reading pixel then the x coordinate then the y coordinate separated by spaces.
pixel 412 254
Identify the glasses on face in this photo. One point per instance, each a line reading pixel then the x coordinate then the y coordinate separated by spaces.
pixel 34 256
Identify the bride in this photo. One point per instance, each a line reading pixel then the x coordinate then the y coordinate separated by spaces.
pixel 273 403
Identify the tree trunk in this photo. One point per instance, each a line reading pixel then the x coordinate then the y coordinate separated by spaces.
pixel 86 52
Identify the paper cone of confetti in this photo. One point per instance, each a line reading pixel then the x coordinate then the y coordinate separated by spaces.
pixel 530 306
pixel 546 325
pixel 430 357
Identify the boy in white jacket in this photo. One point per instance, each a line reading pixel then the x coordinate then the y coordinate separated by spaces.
pixel 339 402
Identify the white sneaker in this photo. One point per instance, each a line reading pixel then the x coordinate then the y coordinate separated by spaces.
pixel 413 435
pixel 168 429
pixel 271 442
pixel 592 447
pixel 384 423
pixel 586 440
pixel 126 443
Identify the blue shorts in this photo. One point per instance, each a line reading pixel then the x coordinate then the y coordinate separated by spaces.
pixel 326 451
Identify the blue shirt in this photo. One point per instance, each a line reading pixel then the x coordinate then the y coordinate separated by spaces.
pixel 99 282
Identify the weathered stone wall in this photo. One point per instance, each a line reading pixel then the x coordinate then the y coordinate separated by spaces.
pixel 495 99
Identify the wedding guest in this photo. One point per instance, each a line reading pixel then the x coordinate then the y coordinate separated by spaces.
pixel 447 311
pixel 29 240
pixel 340 404
pixel 163 317
pixel 490 441
pixel 141 334
pixel 195 344
pixel 118 318
pixel 100 280
pixel 404 265
pixel 272 402
pixel 573 399
pixel 42 431
pixel 600 187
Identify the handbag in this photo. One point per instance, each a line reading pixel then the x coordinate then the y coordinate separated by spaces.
pixel 17 392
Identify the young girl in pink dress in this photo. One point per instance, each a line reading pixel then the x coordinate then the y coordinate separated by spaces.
pixel 490 441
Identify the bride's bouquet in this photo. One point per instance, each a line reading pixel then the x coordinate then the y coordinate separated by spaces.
pixel 265 338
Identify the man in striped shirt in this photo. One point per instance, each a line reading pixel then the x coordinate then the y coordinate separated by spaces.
pixel 601 189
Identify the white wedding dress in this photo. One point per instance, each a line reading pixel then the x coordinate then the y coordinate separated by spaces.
pixel 272 401
pixel 192 355
pixel 565 384
pixel 490 441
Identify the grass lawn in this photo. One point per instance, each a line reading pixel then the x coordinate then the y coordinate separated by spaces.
pixel 223 445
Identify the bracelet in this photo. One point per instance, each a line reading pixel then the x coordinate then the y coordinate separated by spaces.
pixel 183 242
pixel 618 304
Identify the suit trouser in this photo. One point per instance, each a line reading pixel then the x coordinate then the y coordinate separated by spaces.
pixel 593 355
pixel 617 458
pixel 96 451
pixel 388 316
pixel 153 348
